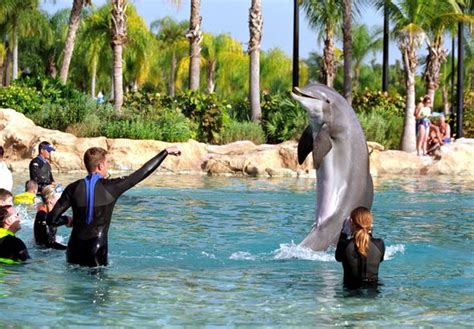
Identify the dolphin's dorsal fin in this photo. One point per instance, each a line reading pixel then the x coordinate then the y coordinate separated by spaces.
pixel 305 144
pixel 322 146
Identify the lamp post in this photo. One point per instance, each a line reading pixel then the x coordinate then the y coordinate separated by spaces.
pixel 296 55
pixel 460 87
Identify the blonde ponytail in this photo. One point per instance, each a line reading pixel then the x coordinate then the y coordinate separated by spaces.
pixel 362 226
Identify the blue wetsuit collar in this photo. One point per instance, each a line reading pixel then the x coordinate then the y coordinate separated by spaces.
pixel 90 181
pixel 42 159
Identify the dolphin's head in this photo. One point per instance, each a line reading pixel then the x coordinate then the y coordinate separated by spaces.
pixel 315 101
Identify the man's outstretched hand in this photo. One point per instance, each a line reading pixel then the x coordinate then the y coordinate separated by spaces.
pixel 173 151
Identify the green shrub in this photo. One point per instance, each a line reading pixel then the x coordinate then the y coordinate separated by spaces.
pixel 382 127
pixel 22 99
pixel 282 118
pixel 175 127
pixel 235 131
pixel 468 119
pixel 206 110
pixel 369 100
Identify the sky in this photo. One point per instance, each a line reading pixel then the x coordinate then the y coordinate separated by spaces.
pixel 231 16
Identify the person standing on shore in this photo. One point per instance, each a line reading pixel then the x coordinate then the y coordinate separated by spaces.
pixel 92 200
pixel 40 169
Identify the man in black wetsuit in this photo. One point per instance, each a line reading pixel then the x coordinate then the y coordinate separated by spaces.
pixel 92 200
pixel 12 249
pixel 40 169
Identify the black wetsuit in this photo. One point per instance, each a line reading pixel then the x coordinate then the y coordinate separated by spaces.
pixel 45 235
pixel 358 270
pixel 88 242
pixel 40 172
pixel 12 249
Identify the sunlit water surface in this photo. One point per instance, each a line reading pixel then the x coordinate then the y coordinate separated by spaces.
pixel 187 250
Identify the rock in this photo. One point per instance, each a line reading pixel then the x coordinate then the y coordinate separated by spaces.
pixel 20 138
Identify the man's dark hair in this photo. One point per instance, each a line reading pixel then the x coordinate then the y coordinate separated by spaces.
pixel 2 151
pixel 3 214
pixel 93 157
pixel 4 194
pixel 43 145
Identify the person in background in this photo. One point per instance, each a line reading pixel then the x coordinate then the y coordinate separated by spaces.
pixel 45 235
pixel 6 198
pixel 92 200
pixel 29 196
pixel 422 115
pixel 12 249
pixel 40 169
pixel 359 252
pixel 6 177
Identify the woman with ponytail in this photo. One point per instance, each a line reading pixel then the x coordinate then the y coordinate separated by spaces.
pixel 359 252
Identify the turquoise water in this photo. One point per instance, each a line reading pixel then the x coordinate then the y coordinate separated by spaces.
pixel 206 251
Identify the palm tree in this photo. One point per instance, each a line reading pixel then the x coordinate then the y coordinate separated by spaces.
pixel 217 49
pixel 347 47
pixel 194 35
pixel 74 21
pixel 119 37
pixel 444 15
pixel 255 28
pixel 408 16
pixel 364 42
pixel 21 18
pixel 171 34
pixel 324 16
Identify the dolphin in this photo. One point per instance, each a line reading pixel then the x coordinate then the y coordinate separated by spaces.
pixel 341 159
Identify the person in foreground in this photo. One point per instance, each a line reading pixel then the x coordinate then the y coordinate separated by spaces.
pixel 360 253
pixel 92 200
pixel 45 235
pixel 12 249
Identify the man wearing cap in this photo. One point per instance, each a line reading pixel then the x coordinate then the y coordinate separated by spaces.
pixel 40 169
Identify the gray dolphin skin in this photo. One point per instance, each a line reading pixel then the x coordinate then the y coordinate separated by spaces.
pixel 341 159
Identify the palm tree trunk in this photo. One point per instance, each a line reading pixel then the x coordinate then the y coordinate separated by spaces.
pixel 15 52
pixel 211 73
pixel 172 89
pixel 408 138
pixel 347 48
pixel 74 20
pixel 328 72
pixel 445 95
pixel 195 37
pixel 437 55
pixel 119 38
pixel 6 72
pixel 94 76
pixel 255 28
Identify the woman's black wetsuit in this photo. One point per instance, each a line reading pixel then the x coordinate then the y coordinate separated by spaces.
pixel 45 235
pixel 88 242
pixel 358 270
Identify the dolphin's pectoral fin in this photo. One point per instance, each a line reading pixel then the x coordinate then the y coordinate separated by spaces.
pixel 305 144
pixel 322 146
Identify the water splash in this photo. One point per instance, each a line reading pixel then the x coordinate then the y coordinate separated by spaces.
pixel 242 255
pixel 291 250
pixel 391 251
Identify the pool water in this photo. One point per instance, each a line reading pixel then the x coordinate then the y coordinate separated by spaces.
pixel 207 251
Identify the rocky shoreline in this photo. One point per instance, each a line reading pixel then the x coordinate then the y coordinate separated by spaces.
pixel 20 137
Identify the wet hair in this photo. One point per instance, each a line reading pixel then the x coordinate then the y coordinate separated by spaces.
pixel 48 193
pixel 362 223
pixel 2 152
pixel 31 185
pixel 4 214
pixel 4 194
pixel 93 157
